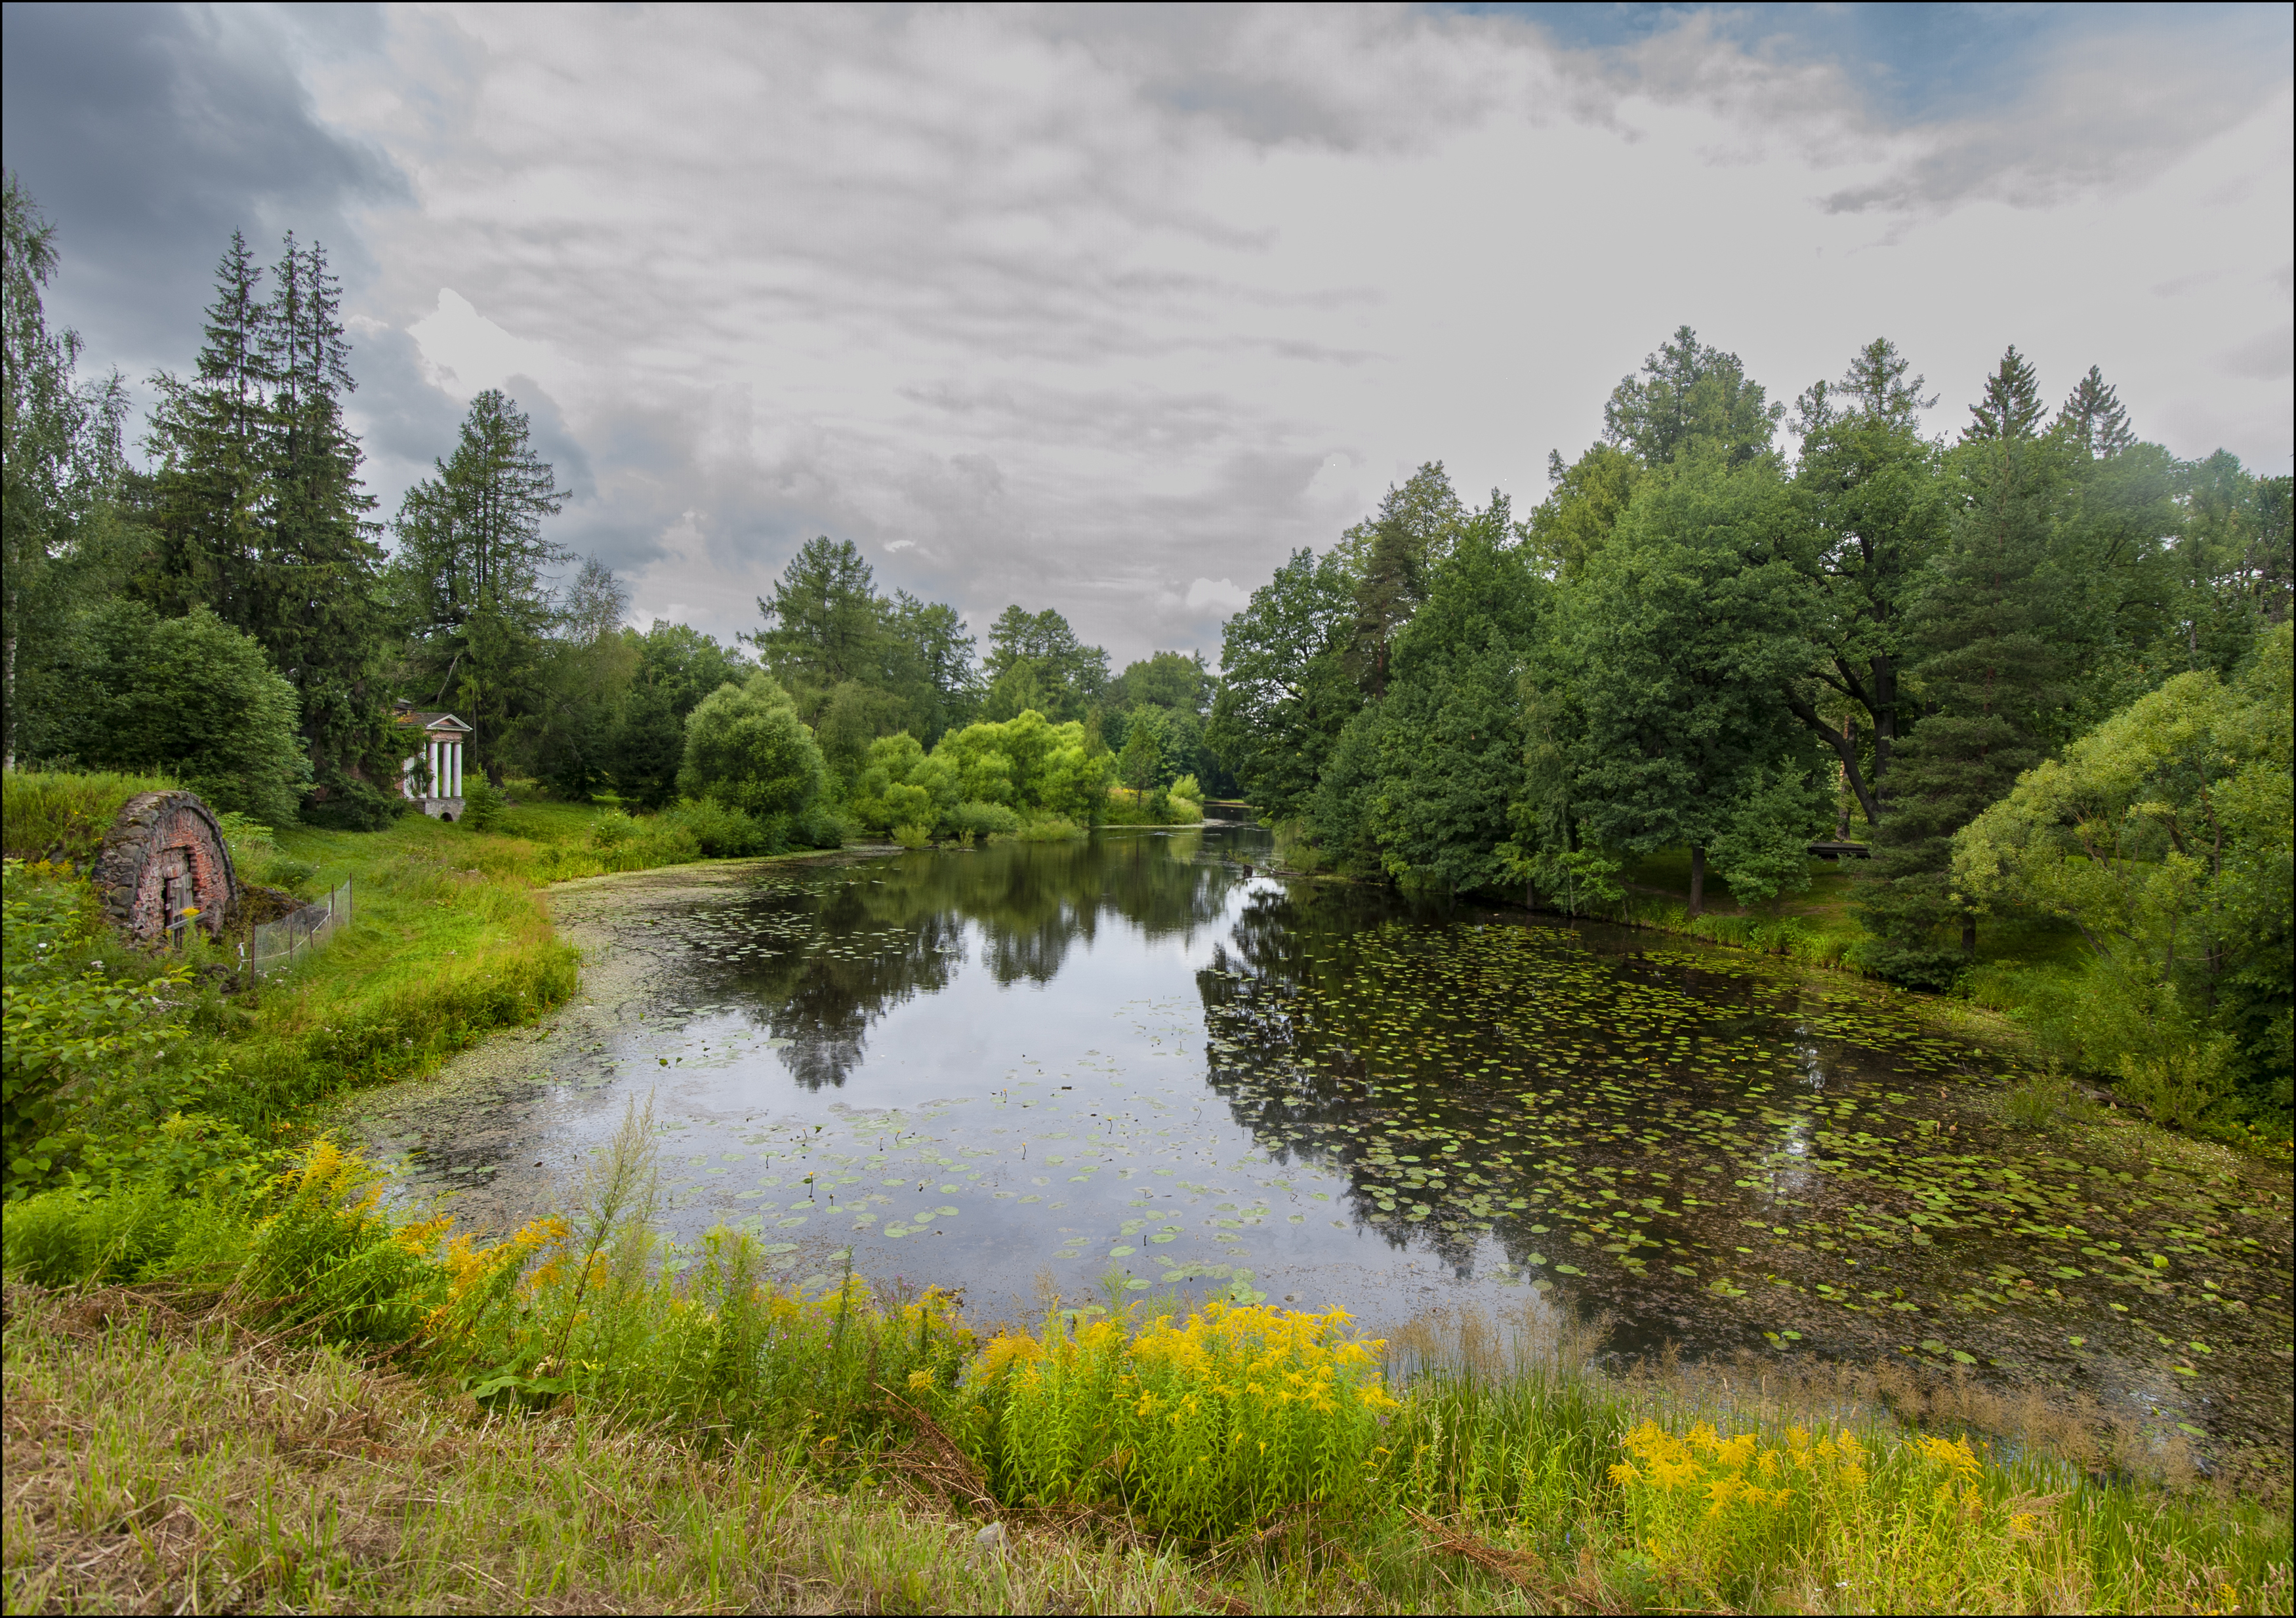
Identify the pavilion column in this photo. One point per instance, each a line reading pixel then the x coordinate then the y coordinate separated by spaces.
pixel 458 769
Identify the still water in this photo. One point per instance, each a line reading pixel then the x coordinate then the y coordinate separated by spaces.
pixel 1139 1062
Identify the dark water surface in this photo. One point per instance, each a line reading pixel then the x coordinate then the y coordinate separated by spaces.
pixel 1134 1055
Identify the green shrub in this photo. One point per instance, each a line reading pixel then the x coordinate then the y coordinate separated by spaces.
pixel 745 748
pixel 483 807
pixel 1028 764
pixel 353 805
pixel 900 784
pixel 612 829
pixel 1049 828
pixel 913 836
pixel 172 1200
pixel 297 877
pixel 975 819
pixel 817 826
pixel 719 832
pixel 191 696
pixel 68 1023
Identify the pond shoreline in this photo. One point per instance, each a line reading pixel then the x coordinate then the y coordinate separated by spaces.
pixel 502 1131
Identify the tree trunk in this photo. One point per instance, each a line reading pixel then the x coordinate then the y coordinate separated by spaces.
pixel 1697 881
pixel 1969 935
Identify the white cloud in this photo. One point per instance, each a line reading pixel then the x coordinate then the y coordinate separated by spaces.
pixel 1060 307
pixel 465 353
pixel 1220 595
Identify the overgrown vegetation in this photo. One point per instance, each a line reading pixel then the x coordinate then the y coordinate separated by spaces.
pixel 1236 1452
pixel 128 1070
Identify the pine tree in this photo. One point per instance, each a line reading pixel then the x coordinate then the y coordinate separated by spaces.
pixel 1990 675
pixel 1393 556
pixel 2094 418
pixel 471 566
pixel 212 436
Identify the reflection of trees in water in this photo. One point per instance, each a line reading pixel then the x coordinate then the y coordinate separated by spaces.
pixel 1295 1082
pixel 903 922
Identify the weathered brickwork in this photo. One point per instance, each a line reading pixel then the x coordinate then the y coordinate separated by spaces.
pixel 164 855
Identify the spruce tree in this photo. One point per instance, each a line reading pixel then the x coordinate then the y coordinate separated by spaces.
pixel 2093 418
pixel 210 436
pixel 470 569
pixel 1990 674
pixel 319 613
pixel 260 515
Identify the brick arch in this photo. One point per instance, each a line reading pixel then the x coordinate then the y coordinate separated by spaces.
pixel 165 855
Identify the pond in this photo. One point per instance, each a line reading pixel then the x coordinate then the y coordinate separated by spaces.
pixel 1140 1062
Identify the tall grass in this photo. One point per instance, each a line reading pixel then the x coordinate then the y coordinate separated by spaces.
pixel 1237 1429
pixel 63 815
pixel 1196 1429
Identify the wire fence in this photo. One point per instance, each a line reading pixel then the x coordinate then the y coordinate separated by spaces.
pixel 275 945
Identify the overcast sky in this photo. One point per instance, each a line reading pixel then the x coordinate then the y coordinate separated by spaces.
pixel 1109 309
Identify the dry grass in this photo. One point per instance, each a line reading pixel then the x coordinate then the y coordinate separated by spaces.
pixel 159 1461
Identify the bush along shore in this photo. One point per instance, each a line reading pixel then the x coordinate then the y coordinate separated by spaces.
pixel 267 1390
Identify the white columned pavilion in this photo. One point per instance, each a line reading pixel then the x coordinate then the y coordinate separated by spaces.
pixel 440 758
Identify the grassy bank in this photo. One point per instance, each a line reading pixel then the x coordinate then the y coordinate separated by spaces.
pixel 451 942
pixel 370 1415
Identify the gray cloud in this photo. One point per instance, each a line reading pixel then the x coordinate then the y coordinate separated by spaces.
pixel 1108 310
pixel 149 133
pixel 2270 358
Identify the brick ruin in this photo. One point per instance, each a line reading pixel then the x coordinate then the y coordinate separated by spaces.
pixel 163 859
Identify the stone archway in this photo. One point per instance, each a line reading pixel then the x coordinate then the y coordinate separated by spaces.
pixel 164 858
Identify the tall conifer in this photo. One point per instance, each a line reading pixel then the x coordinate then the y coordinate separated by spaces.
pixel 209 501
pixel 471 568
pixel 260 512
pixel 321 613
pixel 1990 675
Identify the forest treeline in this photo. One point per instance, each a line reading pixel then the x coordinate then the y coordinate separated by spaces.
pixel 2039 664
pixel 1695 642
pixel 236 612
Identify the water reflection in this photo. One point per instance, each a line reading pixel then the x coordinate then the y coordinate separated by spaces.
pixel 817 961
pixel 1130 1058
